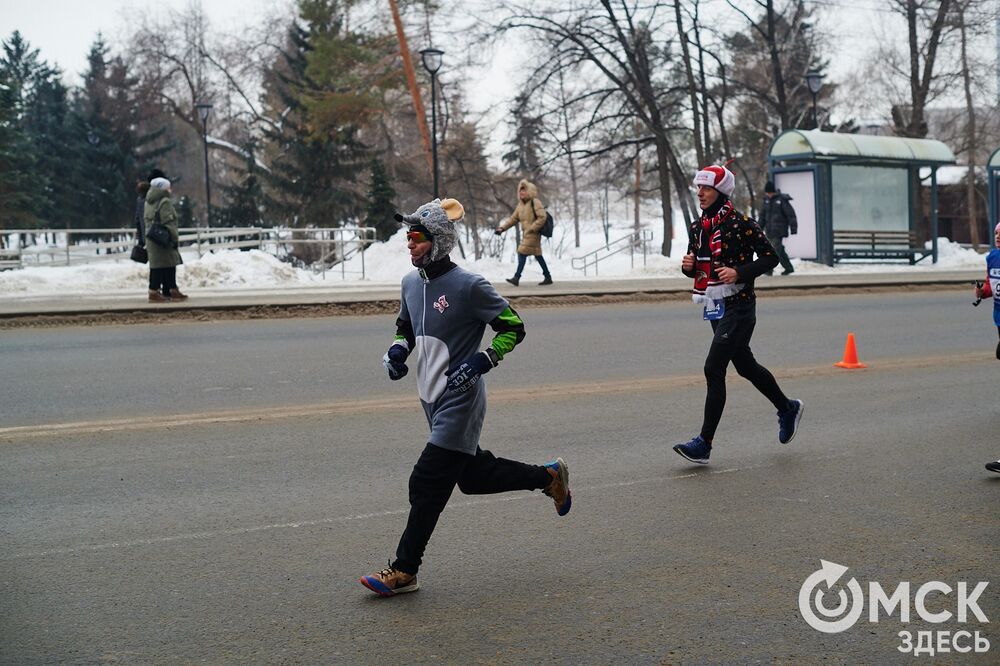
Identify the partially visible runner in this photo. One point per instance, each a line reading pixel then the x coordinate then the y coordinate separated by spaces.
pixel 991 288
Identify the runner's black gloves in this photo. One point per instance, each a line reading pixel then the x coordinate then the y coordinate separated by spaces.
pixel 395 362
pixel 466 374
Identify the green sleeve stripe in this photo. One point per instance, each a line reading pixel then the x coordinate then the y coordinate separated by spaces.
pixel 503 343
pixel 510 331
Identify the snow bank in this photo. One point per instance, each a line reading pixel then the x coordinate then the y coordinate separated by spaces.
pixel 386 263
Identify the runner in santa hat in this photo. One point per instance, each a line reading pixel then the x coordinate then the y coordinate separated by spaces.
pixel 991 288
pixel 720 258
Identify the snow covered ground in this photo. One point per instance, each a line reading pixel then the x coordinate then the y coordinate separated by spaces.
pixel 386 263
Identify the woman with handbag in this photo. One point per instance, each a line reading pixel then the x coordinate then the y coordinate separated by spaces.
pixel 160 220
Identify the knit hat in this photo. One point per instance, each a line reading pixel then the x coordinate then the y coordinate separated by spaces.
pixel 437 218
pixel 769 187
pixel 717 177
pixel 160 183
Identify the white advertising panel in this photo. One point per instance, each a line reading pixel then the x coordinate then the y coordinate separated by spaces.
pixel 800 186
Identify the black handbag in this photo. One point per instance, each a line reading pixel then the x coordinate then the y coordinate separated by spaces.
pixel 158 232
pixel 139 254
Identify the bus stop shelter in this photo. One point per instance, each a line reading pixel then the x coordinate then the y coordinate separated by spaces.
pixel 993 180
pixel 854 182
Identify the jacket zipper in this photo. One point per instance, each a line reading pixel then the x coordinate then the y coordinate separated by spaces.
pixel 423 322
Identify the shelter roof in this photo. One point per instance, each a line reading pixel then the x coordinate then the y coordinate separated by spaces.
pixel 814 145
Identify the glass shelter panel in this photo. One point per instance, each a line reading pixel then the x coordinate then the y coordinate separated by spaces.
pixel 870 198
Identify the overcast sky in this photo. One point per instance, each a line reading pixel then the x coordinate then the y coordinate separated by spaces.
pixel 63 30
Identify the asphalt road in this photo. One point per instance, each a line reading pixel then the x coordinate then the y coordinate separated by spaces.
pixel 211 492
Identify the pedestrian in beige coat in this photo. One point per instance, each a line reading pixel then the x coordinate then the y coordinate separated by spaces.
pixel 531 215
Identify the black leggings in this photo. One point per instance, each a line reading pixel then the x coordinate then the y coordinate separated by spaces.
pixel 163 279
pixel 732 344
pixel 435 476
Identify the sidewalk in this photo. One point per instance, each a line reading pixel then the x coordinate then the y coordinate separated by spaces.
pixel 353 292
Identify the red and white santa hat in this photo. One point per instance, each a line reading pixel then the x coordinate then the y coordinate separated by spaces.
pixel 718 177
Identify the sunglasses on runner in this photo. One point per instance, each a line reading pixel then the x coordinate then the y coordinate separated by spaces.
pixel 417 236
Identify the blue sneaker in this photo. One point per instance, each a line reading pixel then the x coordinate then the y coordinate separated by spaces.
pixel 788 421
pixel 697 450
pixel 558 488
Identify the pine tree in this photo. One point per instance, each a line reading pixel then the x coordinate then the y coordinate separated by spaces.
pixel 23 181
pixel 20 186
pixel 57 144
pixel 381 208
pixel 244 199
pixel 108 113
pixel 527 142
pixel 320 89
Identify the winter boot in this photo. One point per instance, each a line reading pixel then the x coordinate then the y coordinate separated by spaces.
pixel 175 294
pixel 157 297
pixel 516 280
pixel 547 280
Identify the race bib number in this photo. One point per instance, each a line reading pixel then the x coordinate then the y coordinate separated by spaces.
pixel 715 311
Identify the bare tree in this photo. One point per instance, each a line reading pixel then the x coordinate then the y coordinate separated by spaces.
pixel 961 10
pixel 624 45
pixel 926 25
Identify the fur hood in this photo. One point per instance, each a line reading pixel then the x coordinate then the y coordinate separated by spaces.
pixel 529 186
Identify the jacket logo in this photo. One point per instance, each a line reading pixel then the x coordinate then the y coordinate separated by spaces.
pixel 441 304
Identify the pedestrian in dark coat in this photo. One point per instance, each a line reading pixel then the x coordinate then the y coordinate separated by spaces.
pixel 720 258
pixel 777 218
pixel 163 260
pixel 141 189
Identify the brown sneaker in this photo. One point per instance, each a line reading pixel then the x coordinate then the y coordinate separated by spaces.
pixel 157 297
pixel 558 488
pixel 390 582
pixel 176 295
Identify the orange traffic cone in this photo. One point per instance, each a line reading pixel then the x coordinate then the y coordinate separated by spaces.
pixel 850 355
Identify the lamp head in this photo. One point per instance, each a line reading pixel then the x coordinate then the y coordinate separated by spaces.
pixel 431 59
pixel 203 111
pixel 814 80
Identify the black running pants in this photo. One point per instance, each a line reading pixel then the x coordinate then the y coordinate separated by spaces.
pixel 731 343
pixel 435 476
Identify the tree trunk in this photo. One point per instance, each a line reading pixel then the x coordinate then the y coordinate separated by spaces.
pixel 638 191
pixel 696 114
pixel 572 165
pixel 779 78
pixel 411 80
pixel 970 129
pixel 663 171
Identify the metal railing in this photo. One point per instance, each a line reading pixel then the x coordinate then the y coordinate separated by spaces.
pixel 10 258
pixel 67 247
pixel 635 240
pixel 335 246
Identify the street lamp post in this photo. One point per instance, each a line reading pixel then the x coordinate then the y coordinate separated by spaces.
pixel 203 111
pixel 432 63
pixel 814 80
